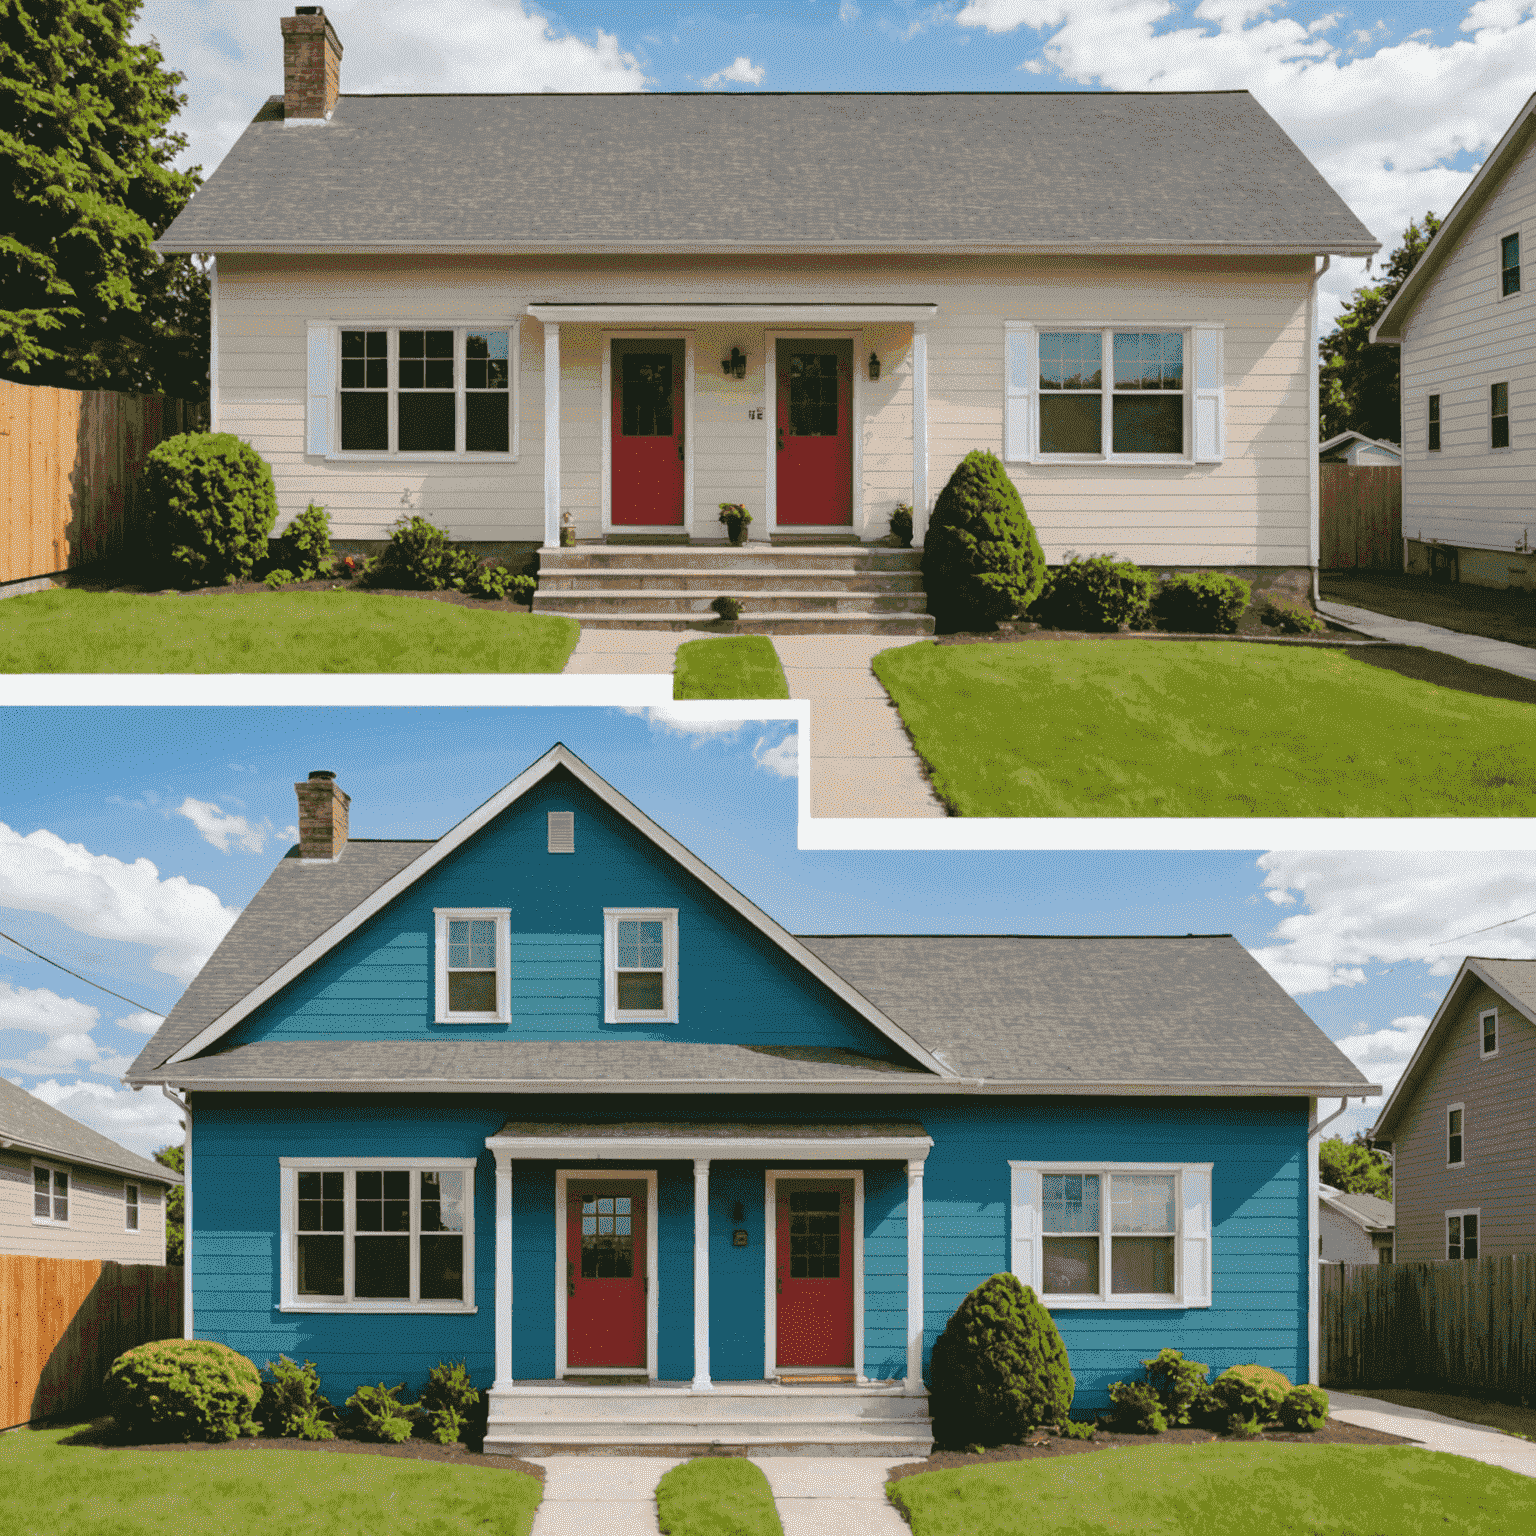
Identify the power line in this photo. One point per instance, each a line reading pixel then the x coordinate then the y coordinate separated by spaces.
pixel 143 1007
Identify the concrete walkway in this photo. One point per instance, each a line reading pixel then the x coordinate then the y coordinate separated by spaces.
pixel 1517 659
pixel 1434 1432
pixel 602 651
pixel 613 1495
pixel 832 1495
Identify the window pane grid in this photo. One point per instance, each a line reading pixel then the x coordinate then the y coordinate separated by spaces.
pixel 1434 423
pixel 1140 1233
pixel 1509 264
pixel 639 961
pixel 1498 405
pixel 131 1207
pixel 1143 408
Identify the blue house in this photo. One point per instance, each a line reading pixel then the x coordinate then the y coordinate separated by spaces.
pixel 548 1095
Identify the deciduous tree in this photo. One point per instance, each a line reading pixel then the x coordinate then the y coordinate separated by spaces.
pixel 174 1157
pixel 1354 1167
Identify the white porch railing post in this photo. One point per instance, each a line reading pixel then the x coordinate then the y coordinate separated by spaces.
pixel 701 1381
pixel 503 1271
pixel 551 435
pixel 914 1275
pixel 919 434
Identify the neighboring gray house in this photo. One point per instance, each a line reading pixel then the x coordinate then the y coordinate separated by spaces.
pixel 1465 319
pixel 1461 1123
pixel 67 1192
pixel 1353 1229
pixel 1356 448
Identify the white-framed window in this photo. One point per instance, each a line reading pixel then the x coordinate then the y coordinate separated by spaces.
pixel 1488 1029
pixel 1091 1234
pixel 1148 392
pixel 130 1207
pixel 640 965
pixel 423 391
pixel 1498 415
pixel 378 1234
pixel 1509 264
pixel 50 1195
pixel 1462 1238
pixel 1455 1135
pixel 474 965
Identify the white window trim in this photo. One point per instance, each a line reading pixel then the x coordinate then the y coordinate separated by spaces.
pixel 1204 393
pixel 1449 1110
pixel 1474 1211
pixel 53 1169
pixel 289 1170
pixel 1498 264
pixel 502 917
pixel 1191 1247
pixel 323 431
pixel 1482 1037
pixel 136 1205
pixel 667 1013
pixel 1432 419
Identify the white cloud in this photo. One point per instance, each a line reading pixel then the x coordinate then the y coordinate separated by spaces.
pixel 141 1023
pixel 741 71
pixel 781 759
pixel 139 1121
pixel 221 828
pixel 1383 1053
pixel 848 12
pixel 66 1025
pixel 101 896
pixel 704 729
pixel 1359 909
pixel 1035 66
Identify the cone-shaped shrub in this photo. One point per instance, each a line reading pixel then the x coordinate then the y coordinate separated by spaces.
pixel 981 559
pixel 999 1368
pixel 209 505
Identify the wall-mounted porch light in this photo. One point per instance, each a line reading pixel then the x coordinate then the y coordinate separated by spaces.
pixel 874 366
pixel 735 365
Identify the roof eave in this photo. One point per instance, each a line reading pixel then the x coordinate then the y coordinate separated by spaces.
pixel 1402 1091
pixel 163 1175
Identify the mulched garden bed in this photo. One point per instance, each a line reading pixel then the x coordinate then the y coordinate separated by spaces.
pixel 324 584
pixel 1048 1444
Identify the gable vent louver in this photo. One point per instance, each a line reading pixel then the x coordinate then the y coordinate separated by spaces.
pixel 562 832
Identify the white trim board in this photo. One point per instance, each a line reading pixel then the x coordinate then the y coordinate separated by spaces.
pixel 699 314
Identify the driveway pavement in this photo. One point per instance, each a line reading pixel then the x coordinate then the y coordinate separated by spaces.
pixel 1435 1432
pixel 1517 659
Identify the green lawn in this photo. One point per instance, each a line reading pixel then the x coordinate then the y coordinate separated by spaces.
pixel 1508 1417
pixel 716 1496
pixel 1218 1490
pixel 733 667
pixel 1509 614
pixel 75 631
pixel 1107 727
pixel 51 1489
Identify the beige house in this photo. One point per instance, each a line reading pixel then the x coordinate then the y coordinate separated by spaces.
pixel 1465 319
pixel 619 311
pixel 67 1192
pixel 1353 1229
pixel 1462 1120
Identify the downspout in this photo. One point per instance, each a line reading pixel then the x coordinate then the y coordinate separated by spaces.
pixel 186 1206
pixel 1315 1128
pixel 1314 423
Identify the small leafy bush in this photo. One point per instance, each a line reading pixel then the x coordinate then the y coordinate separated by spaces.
pixel 1304 1409
pixel 1096 594
pixel 449 1400
pixel 1178 1383
pixel 999 1368
pixel 901 525
pixel 1290 617
pixel 1137 1407
pixel 305 544
pixel 1201 602
pixel 275 581
pixel 1072 1429
pixel 981 559
pixel 420 557
pixel 727 607
pixel 376 1413
pixel 1244 1426
pixel 494 580
pixel 292 1407
pixel 208 505
pixel 1245 1392
pixel 350 566
pixel 183 1389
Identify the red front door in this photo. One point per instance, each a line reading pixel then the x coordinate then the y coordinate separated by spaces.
pixel 815 433
pixel 815 1273
pixel 647 486
pixel 605 1280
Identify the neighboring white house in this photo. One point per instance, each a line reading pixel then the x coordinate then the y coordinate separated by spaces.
pixel 495 310
pixel 1356 448
pixel 1465 319
pixel 1353 1229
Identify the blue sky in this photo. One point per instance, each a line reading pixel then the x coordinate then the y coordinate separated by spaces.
pixel 131 837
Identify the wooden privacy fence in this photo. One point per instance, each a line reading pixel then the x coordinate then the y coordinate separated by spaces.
pixel 69 463
pixel 1457 1326
pixel 64 1321
pixel 1360 517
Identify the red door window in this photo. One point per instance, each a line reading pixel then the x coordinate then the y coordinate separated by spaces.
pixel 605 1280
pixel 815 433
pixel 815 1273
pixel 647 486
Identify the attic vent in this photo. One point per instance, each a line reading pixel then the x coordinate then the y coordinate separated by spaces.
pixel 562 831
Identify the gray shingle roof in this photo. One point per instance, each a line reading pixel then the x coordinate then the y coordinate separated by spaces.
pixel 1369 1211
pixel 1018 170
pixel 30 1125
pixel 1516 979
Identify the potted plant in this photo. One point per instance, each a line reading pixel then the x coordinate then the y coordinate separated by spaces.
pixel 901 525
pixel 567 529
pixel 735 517
pixel 728 608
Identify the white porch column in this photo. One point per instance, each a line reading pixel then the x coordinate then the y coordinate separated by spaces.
pixel 503 1272
pixel 919 436
pixel 551 435
pixel 701 1381
pixel 914 1275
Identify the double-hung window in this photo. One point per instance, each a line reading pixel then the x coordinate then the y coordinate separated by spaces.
pixel 1113 1234
pixel 384 1235
pixel 1498 415
pixel 640 965
pixel 1434 423
pixel 1461 1235
pixel 1455 1141
pixel 1488 1027
pixel 50 1195
pixel 130 1207
pixel 1509 264
pixel 474 965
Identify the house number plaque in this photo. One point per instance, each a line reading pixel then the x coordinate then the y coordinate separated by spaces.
pixel 755 414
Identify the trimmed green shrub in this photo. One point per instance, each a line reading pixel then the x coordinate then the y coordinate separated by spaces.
pixel 999 1368
pixel 291 1405
pixel 1178 1383
pixel 1290 617
pixel 727 607
pixel 421 557
pixel 305 544
pixel 1137 1408
pixel 449 1400
pixel 981 559
pixel 275 581
pixel 1072 1429
pixel 208 505
pixel 1303 1409
pixel 1249 1392
pixel 901 525
pixel 1097 594
pixel 376 1413
pixel 1201 602
pixel 183 1389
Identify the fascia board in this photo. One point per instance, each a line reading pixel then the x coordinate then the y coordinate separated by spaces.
pixel 768 314
pixel 1428 1044
pixel 558 756
pixel 716 1148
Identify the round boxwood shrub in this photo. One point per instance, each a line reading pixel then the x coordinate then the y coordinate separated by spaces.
pixel 981 559
pixel 999 1368
pixel 1249 1395
pixel 1304 1409
pixel 1201 602
pixel 208 505
pixel 1097 594
pixel 183 1389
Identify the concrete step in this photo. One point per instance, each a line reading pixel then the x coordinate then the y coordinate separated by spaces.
pixel 738 579
pixel 853 557
pixel 604 600
pixel 867 623
pixel 894 1411
pixel 535 1443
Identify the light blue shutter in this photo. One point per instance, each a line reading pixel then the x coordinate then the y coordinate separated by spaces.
pixel 1025 1224
pixel 322 387
pixel 1195 1236
pixel 1019 375
pixel 1210 402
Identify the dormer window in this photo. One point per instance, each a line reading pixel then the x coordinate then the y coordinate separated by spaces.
pixel 473 966
pixel 640 965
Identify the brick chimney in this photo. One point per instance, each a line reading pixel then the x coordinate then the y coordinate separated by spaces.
pixel 311 65
pixel 322 816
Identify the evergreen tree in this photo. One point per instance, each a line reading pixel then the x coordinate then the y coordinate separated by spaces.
pixel 87 183
pixel 174 1157
pixel 1357 384
pixel 1354 1167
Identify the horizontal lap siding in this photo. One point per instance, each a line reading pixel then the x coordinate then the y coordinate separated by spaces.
pixel 96 1228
